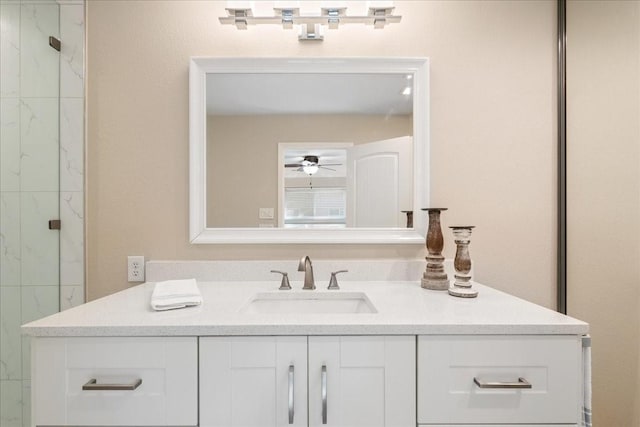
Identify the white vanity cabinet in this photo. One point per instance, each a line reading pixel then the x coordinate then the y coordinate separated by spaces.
pixel 308 381
pixel 499 380
pixel 412 363
pixel 109 381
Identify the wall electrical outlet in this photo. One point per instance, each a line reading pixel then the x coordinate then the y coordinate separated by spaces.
pixel 135 268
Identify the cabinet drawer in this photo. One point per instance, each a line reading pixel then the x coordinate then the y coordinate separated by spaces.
pixel 502 425
pixel 166 396
pixel 449 365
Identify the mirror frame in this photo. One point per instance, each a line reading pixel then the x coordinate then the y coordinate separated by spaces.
pixel 199 67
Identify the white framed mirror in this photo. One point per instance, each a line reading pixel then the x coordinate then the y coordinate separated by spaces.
pixel 308 150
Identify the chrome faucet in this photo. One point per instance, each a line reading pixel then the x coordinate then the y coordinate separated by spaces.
pixel 305 265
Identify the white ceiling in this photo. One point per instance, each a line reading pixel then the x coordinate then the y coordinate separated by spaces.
pixel 243 94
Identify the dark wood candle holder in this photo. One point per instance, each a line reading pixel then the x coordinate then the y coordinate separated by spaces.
pixel 434 276
pixel 409 218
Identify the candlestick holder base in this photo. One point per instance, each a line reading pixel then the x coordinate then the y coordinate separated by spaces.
pixel 434 277
pixel 462 291
pixel 435 285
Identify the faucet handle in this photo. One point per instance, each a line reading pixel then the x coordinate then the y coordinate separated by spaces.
pixel 333 282
pixel 284 285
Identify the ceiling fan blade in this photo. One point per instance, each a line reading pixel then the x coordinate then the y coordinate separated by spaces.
pixel 330 164
pixel 324 167
pixel 292 165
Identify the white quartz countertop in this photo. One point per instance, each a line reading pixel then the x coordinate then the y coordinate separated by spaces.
pixel 403 308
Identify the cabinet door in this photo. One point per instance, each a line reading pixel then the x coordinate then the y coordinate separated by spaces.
pixel 362 381
pixel 248 381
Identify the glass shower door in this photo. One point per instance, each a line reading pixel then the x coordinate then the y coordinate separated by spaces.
pixel 29 190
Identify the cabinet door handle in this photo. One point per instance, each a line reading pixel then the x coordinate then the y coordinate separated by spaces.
pixel 291 374
pixel 92 384
pixel 522 383
pixel 324 394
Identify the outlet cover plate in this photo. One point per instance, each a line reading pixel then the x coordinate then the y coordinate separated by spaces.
pixel 265 213
pixel 135 269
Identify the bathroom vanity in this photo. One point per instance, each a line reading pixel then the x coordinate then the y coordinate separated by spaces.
pixel 374 353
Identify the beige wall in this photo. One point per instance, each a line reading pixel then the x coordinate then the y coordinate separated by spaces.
pixel 493 149
pixel 492 130
pixel 243 156
pixel 603 146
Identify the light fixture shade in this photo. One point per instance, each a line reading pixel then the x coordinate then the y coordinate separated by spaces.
pixel 291 4
pixel 262 8
pixel 380 4
pixel 310 169
pixel 334 4
pixel 240 4
pixel 310 7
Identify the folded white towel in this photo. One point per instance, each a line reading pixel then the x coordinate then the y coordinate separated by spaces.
pixel 172 294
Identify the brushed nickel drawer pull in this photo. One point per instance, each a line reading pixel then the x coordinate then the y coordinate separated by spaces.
pixel 324 394
pixel 522 383
pixel 290 395
pixel 93 385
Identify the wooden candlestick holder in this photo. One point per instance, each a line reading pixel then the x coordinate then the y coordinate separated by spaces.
pixel 434 277
pixel 462 286
pixel 409 218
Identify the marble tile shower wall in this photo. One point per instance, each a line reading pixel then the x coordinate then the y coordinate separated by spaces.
pixel 41 178
pixel 72 153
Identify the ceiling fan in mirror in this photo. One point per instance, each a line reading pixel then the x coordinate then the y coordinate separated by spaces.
pixel 310 165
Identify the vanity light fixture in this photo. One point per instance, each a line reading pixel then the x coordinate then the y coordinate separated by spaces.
pixel 312 24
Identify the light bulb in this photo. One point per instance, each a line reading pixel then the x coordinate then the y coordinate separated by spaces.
pixel 310 169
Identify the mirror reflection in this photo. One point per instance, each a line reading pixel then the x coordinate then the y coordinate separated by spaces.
pixel 309 150
pixel 314 186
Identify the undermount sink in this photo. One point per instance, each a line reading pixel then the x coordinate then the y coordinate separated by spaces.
pixel 311 302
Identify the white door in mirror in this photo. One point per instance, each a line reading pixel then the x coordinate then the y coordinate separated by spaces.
pixel 379 183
